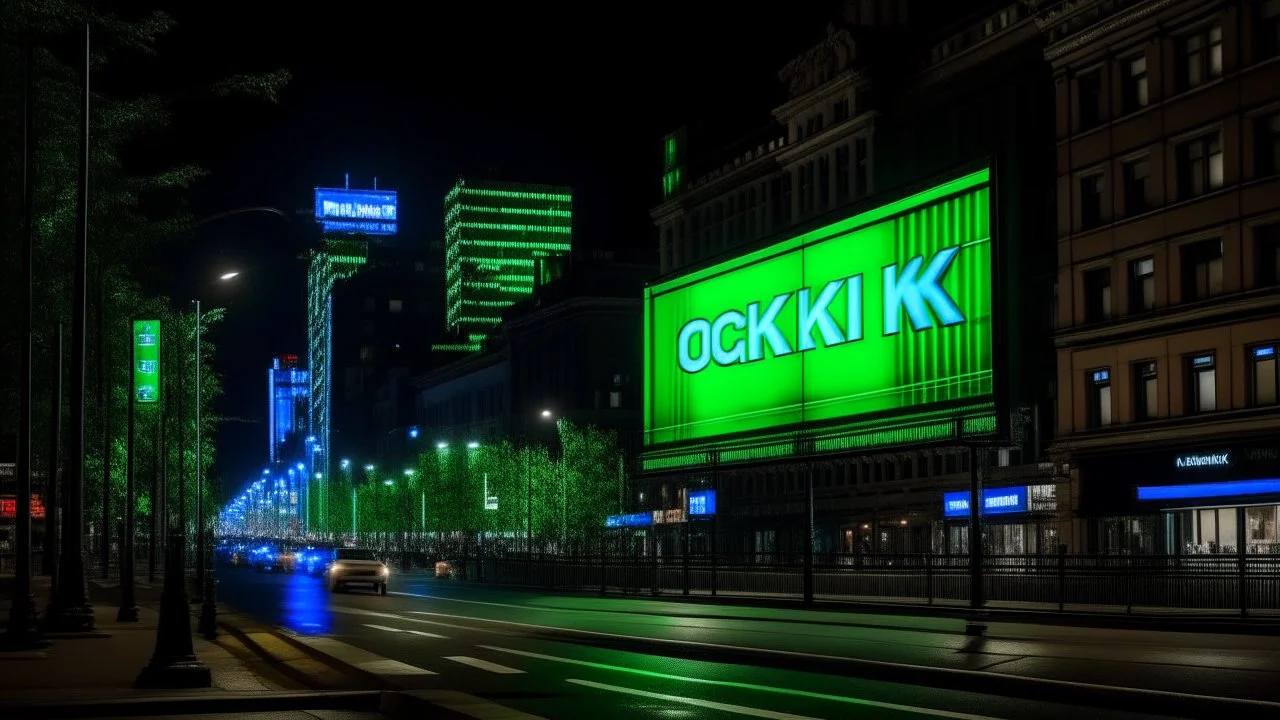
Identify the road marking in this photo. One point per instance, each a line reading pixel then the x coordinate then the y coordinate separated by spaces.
pixel 383 627
pixel 419 633
pixel 360 658
pixel 371 613
pixel 484 665
pixel 423 633
pixel 748 686
pixel 710 705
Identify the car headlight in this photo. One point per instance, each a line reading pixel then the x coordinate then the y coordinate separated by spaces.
pixel 386 570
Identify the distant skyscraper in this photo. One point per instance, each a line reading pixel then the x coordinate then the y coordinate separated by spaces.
pixel 288 390
pixel 495 235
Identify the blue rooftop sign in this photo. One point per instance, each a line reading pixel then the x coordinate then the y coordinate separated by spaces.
pixel 372 212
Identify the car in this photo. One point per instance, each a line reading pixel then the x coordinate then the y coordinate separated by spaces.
pixel 355 566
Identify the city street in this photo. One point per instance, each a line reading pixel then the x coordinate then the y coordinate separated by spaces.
pixel 587 657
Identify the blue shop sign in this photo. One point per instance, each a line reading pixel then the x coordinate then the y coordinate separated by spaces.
pixel 702 502
pixel 629 520
pixel 995 501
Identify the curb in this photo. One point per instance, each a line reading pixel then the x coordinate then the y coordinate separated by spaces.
pixel 367 700
pixel 296 661
pixel 1223 623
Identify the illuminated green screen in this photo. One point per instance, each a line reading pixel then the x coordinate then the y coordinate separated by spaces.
pixel 146 361
pixel 884 312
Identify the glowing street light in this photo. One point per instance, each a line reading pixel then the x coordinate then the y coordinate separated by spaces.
pixel 546 413
pixel 442 446
pixel 473 444
pixel 229 275
pixel 345 463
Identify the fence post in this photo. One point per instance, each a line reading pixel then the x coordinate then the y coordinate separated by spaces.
pixel 713 556
pixel 1242 561
pixel 604 561
pixel 1128 583
pixel 684 552
pixel 928 574
pixel 653 564
pixel 1062 576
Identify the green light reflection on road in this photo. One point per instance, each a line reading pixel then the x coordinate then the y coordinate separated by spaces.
pixel 746 686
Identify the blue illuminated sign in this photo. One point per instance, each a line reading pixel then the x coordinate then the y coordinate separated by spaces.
pixel 1199 491
pixel 995 501
pixel 702 502
pixel 372 212
pixel 629 520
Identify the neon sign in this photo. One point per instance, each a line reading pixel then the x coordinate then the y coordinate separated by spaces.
pixel 995 501
pixel 371 212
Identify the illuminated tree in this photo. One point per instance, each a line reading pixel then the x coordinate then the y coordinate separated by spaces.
pixel 134 211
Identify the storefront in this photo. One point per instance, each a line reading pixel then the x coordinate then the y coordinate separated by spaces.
pixel 1016 520
pixel 1212 500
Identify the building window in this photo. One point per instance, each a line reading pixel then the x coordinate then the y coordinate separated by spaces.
pixel 1202 388
pixel 1200 165
pixel 1135 83
pixel 1267 239
pixel 1266 145
pixel 1089 88
pixel 1146 393
pixel 1142 287
pixel 1201 270
pixel 615 399
pixel 1100 398
pixel 840 111
pixel 842 173
pixel 861 168
pixel 1269 29
pixel 395 306
pixel 1137 187
pixel 824 182
pixel 1264 378
pixel 1091 188
pixel 1097 299
pixel 1200 57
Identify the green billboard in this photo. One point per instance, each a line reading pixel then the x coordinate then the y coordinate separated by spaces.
pixel 886 313
pixel 146 361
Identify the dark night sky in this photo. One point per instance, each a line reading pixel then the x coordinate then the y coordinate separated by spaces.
pixel 579 96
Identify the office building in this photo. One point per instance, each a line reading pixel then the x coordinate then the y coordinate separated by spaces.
pixel 498 236
pixel 288 402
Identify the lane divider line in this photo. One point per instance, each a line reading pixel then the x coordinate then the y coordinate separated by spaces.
pixel 484 665
pixel 383 627
pixel 709 704
pixel 950 714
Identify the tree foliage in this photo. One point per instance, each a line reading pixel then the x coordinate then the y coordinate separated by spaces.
pixel 133 212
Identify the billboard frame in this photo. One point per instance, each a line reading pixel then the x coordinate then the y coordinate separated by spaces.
pixel 973 421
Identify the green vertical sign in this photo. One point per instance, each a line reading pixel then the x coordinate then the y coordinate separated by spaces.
pixel 146 361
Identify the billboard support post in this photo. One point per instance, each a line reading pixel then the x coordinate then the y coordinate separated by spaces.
pixel 976 624
pixel 128 604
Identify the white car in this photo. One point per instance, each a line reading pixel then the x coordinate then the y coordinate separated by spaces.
pixel 353 566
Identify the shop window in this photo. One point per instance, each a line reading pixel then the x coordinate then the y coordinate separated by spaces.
pixel 1263 374
pixel 1142 286
pixel 1089 90
pixel 1136 96
pixel 1202 389
pixel 1200 57
pixel 1137 187
pixel 1099 398
pixel 1269 29
pixel 1267 238
pixel 1091 191
pixel 1097 295
pixel 1199 165
pixel 1201 270
pixel 1146 391
pixel 1266 145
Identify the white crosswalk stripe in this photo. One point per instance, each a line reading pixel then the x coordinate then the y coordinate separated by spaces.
pixel 484 665
pixel 419 633
pixel 360 658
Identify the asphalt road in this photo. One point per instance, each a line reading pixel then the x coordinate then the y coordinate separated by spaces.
pixel 564 657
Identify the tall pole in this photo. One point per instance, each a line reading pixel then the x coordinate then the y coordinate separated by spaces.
pixel 157 503
pixel 70 611
pixel 22 630
pixel 976 624
pixel 128 604
pixel 51 500
pixel 199 469
pixel 104 545
pixel 528 502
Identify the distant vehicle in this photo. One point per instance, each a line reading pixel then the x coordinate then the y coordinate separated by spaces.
pixel 354 566
pixel 273 558
pixel 315 559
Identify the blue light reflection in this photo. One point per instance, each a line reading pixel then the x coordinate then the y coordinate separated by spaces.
pixel 306 605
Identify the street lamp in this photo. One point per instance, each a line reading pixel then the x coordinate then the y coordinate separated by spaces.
pixel 229 275
pixel 546 414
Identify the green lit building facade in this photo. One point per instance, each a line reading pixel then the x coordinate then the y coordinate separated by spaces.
pixel 498 237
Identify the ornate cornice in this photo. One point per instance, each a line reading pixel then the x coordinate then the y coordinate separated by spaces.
pixel 835 54
pixel 1074 24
